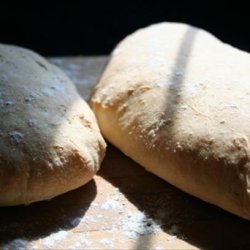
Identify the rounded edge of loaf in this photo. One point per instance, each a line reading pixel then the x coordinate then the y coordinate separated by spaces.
pixel 50 142
pixel 214 169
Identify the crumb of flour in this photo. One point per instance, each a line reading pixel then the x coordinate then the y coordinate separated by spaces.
pixel 107 242
pixel 137 224
pixel 111 204
pixel 54 238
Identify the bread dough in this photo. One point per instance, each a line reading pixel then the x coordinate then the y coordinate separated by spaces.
pixel 49 139
pixel 176 100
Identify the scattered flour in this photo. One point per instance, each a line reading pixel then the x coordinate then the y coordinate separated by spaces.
pixel 19 244
pixel 81 242
pixel 88 219
pixel 51 240
pixel 107 242
pixel 111 204
pixel 77 245
pixel 76 221
pixel 94 204
pixel 171 238
pixel 137 224
pixel 85 241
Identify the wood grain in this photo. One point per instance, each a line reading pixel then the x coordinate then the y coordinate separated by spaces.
pixel 123 207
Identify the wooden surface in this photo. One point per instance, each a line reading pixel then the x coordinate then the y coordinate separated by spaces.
pixel 123 207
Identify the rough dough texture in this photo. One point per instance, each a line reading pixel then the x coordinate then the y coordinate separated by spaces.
pixel 176 100
pixel 49 139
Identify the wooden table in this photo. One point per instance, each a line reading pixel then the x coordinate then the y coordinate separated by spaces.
pixel 123 207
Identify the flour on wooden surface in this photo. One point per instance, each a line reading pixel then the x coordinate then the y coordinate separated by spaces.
pixel 54 238
pixel 76 221
pixel 111 204
pixel 84 241
pixel 136 224
pixel 19 244
pixel 107 242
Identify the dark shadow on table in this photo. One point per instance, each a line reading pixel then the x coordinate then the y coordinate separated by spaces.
pixel 44 218
pixel 196 222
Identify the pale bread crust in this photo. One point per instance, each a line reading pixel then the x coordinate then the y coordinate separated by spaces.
pixel 176 100
pixel 50 142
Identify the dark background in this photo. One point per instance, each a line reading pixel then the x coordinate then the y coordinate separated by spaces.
pixel 94 27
